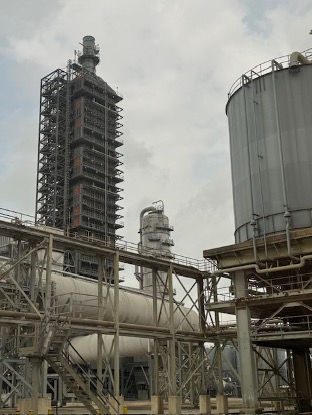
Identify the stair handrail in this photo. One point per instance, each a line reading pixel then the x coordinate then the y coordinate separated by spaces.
pixel 93 382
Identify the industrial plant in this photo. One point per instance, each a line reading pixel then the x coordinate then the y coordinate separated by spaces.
pixel 228 333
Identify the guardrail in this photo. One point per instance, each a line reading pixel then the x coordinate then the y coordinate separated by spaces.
pixel 262 69
pixel 29 221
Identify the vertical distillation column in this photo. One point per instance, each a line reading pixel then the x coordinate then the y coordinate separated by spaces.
pixel 53 141
pixel 155 239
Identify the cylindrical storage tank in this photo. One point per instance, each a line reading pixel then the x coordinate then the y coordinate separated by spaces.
pixel 270 126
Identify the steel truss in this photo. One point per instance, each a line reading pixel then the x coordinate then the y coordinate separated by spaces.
pixel 263 288
pixel 37 330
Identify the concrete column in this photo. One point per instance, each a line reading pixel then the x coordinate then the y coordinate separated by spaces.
pixel 222 404
pixel 248 369
pixel 204 404
pixel 174 405
pixel 157 405
pixel 303 377
pixel 35 383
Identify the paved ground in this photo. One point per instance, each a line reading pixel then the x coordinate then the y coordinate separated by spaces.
pixel 143 408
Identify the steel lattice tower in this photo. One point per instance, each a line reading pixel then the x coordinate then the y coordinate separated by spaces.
pixel 78 163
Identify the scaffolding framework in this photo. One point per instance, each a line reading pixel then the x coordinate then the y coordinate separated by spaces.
pixel 78 174
pixel 52 171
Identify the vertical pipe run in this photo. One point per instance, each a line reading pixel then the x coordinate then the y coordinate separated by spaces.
pixel 287 215
pixel 32 287
pixel 248 151
pixel 279 139
pixel 48 275
pixel 259 173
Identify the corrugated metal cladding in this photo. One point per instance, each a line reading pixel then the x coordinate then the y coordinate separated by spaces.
pixel 257 156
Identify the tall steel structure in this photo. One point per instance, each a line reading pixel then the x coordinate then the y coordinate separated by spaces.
pixel 78 163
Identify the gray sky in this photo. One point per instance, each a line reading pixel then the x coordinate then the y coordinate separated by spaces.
pixel 174 61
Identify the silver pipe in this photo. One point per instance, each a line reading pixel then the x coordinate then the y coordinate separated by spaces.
pixel 253 223
pixel 287 215
pixel 287 218
pixel 248 151
pixel 279 138
pixel 259 169
pixel 266 270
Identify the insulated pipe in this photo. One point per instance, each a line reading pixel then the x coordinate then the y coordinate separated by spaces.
pixel 299 57
pixel 265 270
pixel 296 57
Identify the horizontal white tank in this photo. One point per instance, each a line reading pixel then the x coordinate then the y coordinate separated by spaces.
pixel 81 296
pixel 87 347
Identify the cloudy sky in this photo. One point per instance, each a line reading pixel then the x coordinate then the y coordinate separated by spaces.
pixel 174 61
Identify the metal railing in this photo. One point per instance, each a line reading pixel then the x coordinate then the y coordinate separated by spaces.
pixel 279 326
pixel 29 221
pixel 262 69
pixel 264 288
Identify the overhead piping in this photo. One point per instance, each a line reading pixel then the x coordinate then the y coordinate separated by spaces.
pixel 265 270
pixel 296 58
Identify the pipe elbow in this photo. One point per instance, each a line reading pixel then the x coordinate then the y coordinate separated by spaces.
pixel 296 58
pixel 145 210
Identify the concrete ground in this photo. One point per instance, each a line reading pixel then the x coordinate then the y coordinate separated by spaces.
pixel 144 408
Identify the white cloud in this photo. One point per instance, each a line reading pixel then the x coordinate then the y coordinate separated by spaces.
pixel 174 61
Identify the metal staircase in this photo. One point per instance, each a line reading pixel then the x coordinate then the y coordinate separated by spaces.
pixel 74 375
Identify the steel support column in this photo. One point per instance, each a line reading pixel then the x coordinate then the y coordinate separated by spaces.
pixel 116 324
pixel 248 364
pixel 303 377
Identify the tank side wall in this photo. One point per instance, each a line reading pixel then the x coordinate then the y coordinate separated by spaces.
pixel 253 131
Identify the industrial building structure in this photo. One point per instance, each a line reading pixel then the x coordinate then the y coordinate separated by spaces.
pixel 78 172
pixel 63 336
pixel 269 267
pixel 74 339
